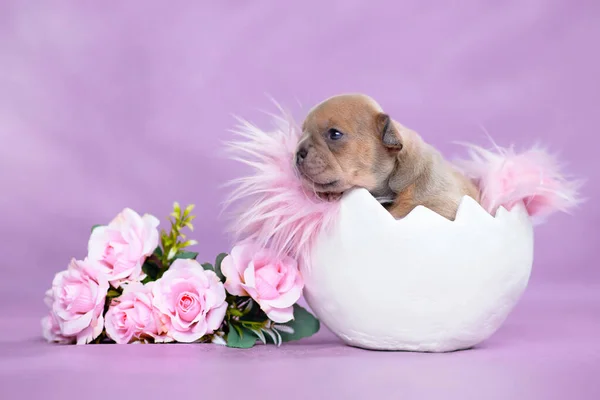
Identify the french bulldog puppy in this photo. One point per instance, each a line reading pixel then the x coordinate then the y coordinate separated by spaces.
pixel 348 141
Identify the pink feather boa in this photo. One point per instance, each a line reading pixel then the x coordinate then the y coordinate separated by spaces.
pixel 275 210
pixel 533 177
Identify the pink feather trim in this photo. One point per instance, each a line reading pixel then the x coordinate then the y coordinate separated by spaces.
pixel 533 177
pixel 272 207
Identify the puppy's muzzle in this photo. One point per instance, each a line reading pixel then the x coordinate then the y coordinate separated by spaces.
pixel 301 155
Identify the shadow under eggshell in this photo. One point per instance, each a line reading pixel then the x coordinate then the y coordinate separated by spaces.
pixel 422 283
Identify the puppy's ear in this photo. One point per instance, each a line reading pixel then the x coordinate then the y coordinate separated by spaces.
pixel 388 132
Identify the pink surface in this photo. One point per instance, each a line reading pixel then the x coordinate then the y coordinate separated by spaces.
pixel 107 106
pixel 548 349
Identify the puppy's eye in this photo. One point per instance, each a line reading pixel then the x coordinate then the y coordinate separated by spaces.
pixel 334 134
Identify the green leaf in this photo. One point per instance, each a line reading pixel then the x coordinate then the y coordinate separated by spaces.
pixel 304 325
pixel 218 262
pixel 235 312
pixel 186 255
pixel 96 226
pixel 158 252
pixel 112 293
pixel 188 210
pixel 272 336
pixel 240 337
pixel 176 209
pixel 188 243
pixel 172 253
pixel 150 269
pixel 208 267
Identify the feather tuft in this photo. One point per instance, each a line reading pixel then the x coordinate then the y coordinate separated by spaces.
pixel 271 206
pixel 534 177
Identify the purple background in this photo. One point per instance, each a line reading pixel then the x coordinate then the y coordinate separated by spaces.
pixel 106 106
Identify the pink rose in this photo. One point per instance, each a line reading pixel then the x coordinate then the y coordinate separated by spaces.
pixel 273 282
pixel 78 296
pixel 131 316
pixel 50 327
pixel 123 245
pixel 193 300
pixel 51 331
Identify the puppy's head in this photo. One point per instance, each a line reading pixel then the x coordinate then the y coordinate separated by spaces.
pixel 348 141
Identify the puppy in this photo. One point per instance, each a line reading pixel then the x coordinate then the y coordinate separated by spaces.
pixel 348 141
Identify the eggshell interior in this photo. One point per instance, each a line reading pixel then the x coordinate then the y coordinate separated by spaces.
pixel 422 283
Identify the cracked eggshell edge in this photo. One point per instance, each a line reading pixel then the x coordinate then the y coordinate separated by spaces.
pixel 422 283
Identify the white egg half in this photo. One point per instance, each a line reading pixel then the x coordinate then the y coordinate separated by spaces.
pixel 422 283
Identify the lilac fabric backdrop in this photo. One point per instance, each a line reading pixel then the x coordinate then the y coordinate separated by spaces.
pixel 106 106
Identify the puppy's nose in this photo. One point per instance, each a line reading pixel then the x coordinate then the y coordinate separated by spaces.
pixel 301 155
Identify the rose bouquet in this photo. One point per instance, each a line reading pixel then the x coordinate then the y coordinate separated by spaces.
pixel 137 285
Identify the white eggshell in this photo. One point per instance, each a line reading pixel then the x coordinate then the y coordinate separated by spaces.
pixel 422 283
